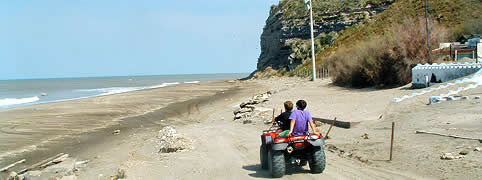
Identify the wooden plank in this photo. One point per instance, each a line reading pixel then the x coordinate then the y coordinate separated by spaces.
pixel 40 163
pixel 11 165
pixel 337 123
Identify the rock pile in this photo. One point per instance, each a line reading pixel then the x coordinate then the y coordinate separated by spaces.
pixel 170 141
pixel 248 111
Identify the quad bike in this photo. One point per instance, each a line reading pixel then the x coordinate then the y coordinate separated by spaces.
pixel 281 153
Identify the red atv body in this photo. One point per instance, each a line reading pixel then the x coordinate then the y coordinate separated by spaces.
pixel 281 153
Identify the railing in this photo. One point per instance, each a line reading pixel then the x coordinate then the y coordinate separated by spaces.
pixel 322 72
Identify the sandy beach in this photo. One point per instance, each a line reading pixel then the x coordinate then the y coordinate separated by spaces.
pixel 223 148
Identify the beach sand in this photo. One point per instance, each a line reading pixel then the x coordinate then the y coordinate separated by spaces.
pixel 223 148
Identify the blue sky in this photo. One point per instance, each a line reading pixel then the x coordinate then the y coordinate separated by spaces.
pixel 78 38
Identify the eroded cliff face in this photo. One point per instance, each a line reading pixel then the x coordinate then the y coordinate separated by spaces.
pixel 285 41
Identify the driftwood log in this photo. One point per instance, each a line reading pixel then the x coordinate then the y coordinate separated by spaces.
pixel 11 165
pixel 447 135
pixel 46 161
pixel 337 123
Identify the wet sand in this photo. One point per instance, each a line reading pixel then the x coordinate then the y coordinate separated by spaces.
pixel 39 131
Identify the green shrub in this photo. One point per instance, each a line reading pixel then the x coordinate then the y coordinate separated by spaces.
pixel 385 60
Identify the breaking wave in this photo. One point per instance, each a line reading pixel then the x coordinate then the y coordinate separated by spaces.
pixel 192 82
pixel 14 101
pixel 118 90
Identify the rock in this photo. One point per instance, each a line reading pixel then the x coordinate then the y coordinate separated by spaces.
pixel 32 174
pixel 167 132
pixel 247 121
pixel 450 156
pixel 238 116
pixel 243 110
pixel 121 174
pixel 116 132
pixel 252 107
pixel 477 149
pixel 365 136
pixel 459 146
pixel 447 156
pixel 464 152
pixel 170 141
pixel 13 176
pixel 81 164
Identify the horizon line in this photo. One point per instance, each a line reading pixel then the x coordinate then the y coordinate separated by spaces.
pixel 78 77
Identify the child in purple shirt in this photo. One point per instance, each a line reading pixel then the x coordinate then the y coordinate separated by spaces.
pixel 300 120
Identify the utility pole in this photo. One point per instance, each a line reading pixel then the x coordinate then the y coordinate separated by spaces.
pixel 312 41
pixel 428 31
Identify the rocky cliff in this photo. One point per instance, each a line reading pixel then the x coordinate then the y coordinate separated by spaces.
pixel 286 35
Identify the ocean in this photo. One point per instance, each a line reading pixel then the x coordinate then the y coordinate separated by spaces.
pixel 24 92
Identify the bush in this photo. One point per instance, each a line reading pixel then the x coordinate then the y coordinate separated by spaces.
pixel 385 60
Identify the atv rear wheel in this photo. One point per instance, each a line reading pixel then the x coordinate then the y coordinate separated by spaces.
pixel 318 161
pixel 276 161
pixel 263 156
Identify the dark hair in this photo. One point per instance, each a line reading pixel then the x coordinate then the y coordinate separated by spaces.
pixel 288 105
pixel 301 104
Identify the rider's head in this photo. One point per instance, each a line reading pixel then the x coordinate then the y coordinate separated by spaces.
pixel 288 106
pixel 301 105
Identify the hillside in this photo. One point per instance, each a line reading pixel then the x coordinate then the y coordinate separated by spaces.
pixel 285 38
pixel 342 25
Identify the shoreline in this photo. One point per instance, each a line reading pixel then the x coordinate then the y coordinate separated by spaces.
pixel 222 147
pixel 132 84
pixel 74 142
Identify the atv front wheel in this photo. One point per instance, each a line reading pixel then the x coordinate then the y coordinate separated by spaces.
pixel 263 156
pixel 276 161
pixel 318 161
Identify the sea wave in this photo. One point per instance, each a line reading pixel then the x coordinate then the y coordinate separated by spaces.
pixel 15 101
pixel 118 90
pixel 192 82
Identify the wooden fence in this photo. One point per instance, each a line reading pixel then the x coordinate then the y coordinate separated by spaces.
pixel 321 72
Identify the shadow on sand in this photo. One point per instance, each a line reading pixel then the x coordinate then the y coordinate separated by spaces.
pixel 262 173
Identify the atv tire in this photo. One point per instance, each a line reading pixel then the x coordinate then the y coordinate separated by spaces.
pixel 318 161
pixel 263 157
pixel 276 161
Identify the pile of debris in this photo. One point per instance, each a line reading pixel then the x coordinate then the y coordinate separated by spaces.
pixel 248 111
pixel 170 141
pixel 59 166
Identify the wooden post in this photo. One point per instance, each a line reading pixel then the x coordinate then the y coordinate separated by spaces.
pixel 273 114
pixel 329 129
pixel 450 51
pixel 391 140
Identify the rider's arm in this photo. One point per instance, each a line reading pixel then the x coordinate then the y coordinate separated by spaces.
pixel 313 127
pixel 292 126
